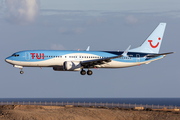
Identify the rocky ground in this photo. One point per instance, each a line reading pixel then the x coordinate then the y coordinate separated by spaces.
pixel 32 112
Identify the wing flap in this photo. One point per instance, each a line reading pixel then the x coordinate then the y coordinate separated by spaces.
pixel 92 63
pixel 98 61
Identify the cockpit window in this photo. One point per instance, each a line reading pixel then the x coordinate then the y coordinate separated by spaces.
pixel 15 55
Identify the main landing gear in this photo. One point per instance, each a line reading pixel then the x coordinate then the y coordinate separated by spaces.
pixel 83 72
pixel 89 72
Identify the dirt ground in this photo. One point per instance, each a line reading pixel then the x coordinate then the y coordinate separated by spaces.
pixel 33 112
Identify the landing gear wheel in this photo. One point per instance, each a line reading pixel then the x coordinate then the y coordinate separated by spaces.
pixel 83 72
pixel 89 72
pixel 21 72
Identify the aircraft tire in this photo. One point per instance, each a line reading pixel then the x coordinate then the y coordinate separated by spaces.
pixel 21 72
pixel 83 72
pixel 89 72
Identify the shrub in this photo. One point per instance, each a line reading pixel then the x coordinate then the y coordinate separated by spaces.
pixel 92 106
pixel 148 109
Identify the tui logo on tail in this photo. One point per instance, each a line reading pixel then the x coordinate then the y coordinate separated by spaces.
pixel 150 42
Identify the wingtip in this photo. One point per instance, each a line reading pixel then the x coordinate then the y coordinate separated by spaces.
pixel 163 23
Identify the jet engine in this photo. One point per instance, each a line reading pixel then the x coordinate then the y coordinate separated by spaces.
pixel 72 66
pixel 58 68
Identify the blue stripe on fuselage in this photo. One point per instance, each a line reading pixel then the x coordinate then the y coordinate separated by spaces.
pixel 26 56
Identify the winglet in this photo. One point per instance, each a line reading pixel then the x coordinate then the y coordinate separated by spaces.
pixel 88 48
pixel 126 51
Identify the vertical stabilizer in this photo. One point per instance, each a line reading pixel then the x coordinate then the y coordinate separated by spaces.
pixel 153 42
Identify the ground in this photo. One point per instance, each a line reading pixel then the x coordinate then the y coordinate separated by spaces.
pixel 33 112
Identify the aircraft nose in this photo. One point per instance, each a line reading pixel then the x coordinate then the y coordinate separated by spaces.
pixel 7 60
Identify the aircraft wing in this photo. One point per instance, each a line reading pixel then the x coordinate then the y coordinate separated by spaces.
pixel 156 55
pixel 90 63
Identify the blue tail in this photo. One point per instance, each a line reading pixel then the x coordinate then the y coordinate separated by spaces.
pixel 153 42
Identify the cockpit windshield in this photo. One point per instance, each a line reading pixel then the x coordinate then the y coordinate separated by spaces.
pixel 15 55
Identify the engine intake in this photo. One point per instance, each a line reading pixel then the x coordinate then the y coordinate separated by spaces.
pixel 72 66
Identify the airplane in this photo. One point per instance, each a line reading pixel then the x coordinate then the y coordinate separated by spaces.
pixel 68 60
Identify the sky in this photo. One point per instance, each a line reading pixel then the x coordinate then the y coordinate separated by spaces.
pixel 103 25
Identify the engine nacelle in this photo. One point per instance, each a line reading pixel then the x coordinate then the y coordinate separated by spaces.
pixel 59 68
pixel 72 66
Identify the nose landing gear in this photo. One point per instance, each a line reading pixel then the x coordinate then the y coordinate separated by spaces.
pixel 20 67
pixel 21 72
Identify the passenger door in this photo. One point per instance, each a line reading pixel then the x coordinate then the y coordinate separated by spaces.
pixel 137 58
pixel 27 56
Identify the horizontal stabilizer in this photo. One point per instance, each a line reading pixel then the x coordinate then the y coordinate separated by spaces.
pixel 155 55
